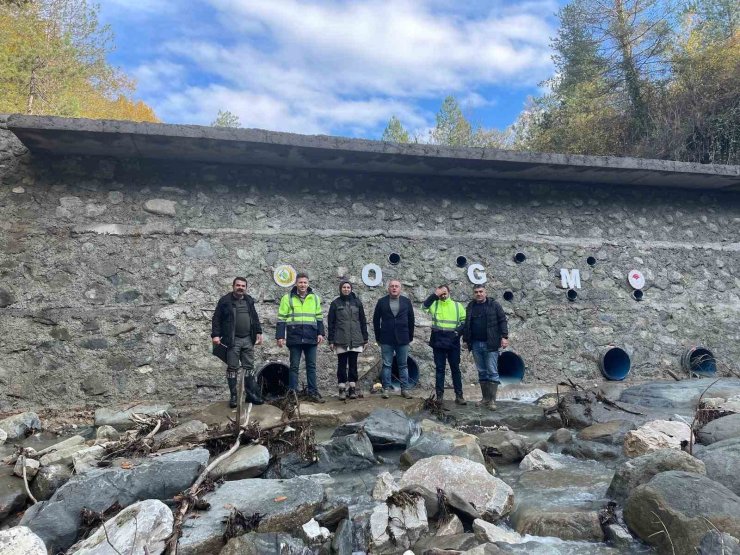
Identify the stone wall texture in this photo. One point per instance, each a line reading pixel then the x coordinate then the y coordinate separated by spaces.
pixel 110 269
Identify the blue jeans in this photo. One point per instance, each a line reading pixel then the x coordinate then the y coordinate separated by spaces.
pixel 486 361
pixel 441 356
pixel 309 352
pixel 402 356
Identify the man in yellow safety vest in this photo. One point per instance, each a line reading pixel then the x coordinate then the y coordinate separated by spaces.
pixel 448 317
pixel 300 326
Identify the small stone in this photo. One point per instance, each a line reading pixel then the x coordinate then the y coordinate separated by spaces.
pixel 107 433
pixel 31 465
pixel 202 249
pixel 314 533
pixel 18 190
pixel 161 207
pixel 487 532
pixel 657 434
pixel 549 259
pixel 453 526
pixel 20 425
pixel 539 460
pixel 618 536
pixel 3 436
pixel 166 328
pixel 385 486
pixel 561 436
pixel 360 209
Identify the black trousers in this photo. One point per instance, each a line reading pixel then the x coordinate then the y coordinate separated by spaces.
pixel 342 361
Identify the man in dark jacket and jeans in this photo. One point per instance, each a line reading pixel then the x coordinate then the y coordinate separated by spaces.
pixel 485 332
pixel 393 323
pixel 236 325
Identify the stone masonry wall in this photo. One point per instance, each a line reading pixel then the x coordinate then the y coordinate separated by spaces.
pixel 104 297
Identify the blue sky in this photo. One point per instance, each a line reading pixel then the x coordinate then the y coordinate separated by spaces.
pixel 330 67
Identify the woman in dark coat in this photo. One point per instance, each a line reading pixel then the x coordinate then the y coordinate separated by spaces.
pixel 347 337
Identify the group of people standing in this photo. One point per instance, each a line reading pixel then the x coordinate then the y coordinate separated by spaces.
pixel 482 326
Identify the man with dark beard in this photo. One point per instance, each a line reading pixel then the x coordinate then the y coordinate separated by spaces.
pixel 236 325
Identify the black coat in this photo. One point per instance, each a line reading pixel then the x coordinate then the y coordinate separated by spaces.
pixel 496 325
pixel 393 330
pixel 224 317
pixel 347 323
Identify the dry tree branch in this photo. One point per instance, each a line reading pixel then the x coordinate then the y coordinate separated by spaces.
pixel 696 414
pixel 25 482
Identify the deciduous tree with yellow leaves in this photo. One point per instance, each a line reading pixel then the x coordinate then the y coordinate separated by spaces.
pixel 53 62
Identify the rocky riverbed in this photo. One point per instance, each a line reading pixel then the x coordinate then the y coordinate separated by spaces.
pixel 611 469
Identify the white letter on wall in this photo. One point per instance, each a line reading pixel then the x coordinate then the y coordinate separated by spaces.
pixel 376 280
pixel 570 280
pixel 477 274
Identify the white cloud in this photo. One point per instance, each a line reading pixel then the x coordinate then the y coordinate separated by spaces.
pixel 315 67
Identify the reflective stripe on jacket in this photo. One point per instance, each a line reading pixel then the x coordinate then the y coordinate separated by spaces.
pixel 448 318
pixel 300 320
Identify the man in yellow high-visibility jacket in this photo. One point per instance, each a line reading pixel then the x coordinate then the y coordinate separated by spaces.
pixel 300 325
pixel 448 318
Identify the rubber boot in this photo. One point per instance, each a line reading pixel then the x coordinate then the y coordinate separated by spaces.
pixel 342 391
pixel 459 399
pixel 494 391
pixel 232 392
pixel 484 390
pixel 251 390
pixel 440 395
pixel 352 390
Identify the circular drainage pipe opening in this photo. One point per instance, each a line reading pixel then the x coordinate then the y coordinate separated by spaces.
pixel 700 361
pixel 273 379
pixel 572 294
pixel 615 364
pixel 510 367
pixel 461 261
pixel 413 373
pixel 637 294
pixel 520 257
pixel 394 258
pixel 591 261
pixel 508 296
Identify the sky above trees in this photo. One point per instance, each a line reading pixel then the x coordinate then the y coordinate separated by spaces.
pixel 340 68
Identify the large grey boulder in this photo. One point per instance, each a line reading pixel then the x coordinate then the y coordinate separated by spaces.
pixel 593 450
pixel 581 409
pixel 60 446
pixel 673 511
pixel 20 540
pixel 340 454
pixel 727 427
pixel 193 431
pixel 283 505
pixel 563 523
pixel 255 543
pixel 120 418
pixel 640 470
pixel 438 439
pixel 247 462
pixel 722 461
pixel 453 543
pixel 49 479
pixel 20 425
pixel 511 414
pixel 12 493
pixel 57 520
pixel 138 529
pixel 341 544
pixel 504 445
pixel 655 435
pixel 486 532
pixel 386 428
pixel 683 394
pixel 492 497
